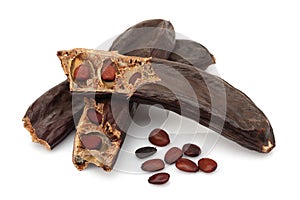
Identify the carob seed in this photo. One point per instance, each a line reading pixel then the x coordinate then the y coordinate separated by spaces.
pixel 153 165
pixel 186 165
pixel 91 141
pixel 191 150
pixel 82 73
pixel 94 116
pixel 159 137
pixel 159 178
pixel 134 77
pixel 172 155
pixel 145 152
pixel 108 72
pixel 207 165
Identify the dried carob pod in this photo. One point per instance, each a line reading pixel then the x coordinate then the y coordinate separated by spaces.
pixel 181 88
pixel 192 53
pixel 209 100
pixel 156 38
pixel 54 115
pixel 101 132
pixel 50 118
pixel 150 38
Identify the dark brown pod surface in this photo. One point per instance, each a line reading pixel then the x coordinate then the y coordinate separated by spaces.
pixel 207 165
pixel 50 118
pixel 191 53
pixel 159 137
pixel 145 152
pixel 234 114
pixel 186 165
pixel 150 38
pixel 159 178
pixel 153 165
pixel 172 155
pixel 191 150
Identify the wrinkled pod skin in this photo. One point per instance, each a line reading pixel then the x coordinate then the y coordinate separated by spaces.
pixel 49 119
pixel 191 53
pixel 150 38
pixel 244 123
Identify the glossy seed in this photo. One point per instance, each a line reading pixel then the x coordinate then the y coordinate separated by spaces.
pixel 159 137
pixel 207 165
pixel 94 116
pixel 159 178
pixel 134 77
pixel 145 152
pixel 153 165
pixel 191 150
pixel 186 165
pixel 91 141
pixel 82 73
pixel 108 72
pixel 172 155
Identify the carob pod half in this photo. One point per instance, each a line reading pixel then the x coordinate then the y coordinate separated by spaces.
pixel 190 92
pixel 101 132
pixel 108 71
pixel 150 38
pixel 192 53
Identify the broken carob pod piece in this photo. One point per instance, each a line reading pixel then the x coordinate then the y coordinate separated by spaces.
pixel 99 137
pixel 150 38
pixel 110 72
pixel 190 92
pixel 54 115
pixel 192 53
pixel 50 118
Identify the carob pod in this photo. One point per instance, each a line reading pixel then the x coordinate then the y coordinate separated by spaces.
pixel 101 132
pixel 50 118
pixel 150 38
pixel 156 38
pixel 192 53
pixel 190 92
pixel 244 122
pixel 54 115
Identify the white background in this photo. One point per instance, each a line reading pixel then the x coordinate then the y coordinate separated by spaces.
pixel 256 44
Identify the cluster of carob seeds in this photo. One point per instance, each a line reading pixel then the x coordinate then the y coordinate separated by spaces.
pixel 160 137
pixel 146 64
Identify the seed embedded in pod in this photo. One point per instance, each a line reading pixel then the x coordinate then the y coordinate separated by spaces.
pixel 108 72
pixel 91 141
pixel 82 72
